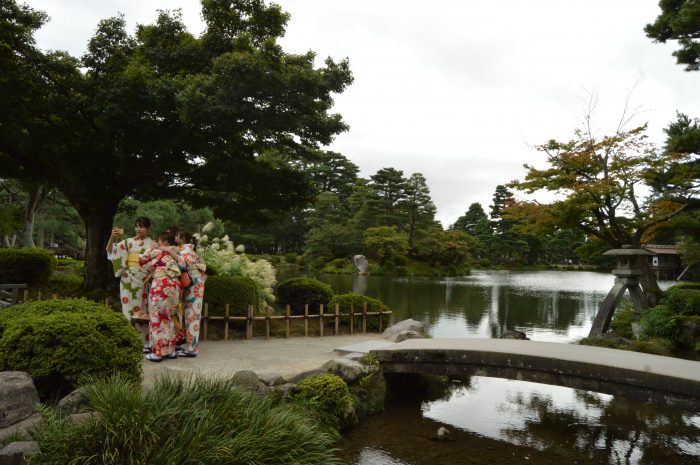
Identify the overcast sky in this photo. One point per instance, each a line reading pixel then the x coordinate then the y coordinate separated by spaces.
pixel 457 90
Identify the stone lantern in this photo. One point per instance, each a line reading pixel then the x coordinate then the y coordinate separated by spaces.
pixel 627 273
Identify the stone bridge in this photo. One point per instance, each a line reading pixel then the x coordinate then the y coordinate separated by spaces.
pixel 641 376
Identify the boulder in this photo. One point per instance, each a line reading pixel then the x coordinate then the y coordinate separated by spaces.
pixel 17 453
pixel 406 325
pixel 18 397
pixel 247 379
pixel 514 334
pixel 305 374
pixel 354 356
pixel 408 334
pixel 271 379
pixel 349 370
pixel 284 390
pixel 23 428
pixel 360 263
pixel 85 417
pixel 75 402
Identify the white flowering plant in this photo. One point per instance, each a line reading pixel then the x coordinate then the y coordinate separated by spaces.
pixel 221 255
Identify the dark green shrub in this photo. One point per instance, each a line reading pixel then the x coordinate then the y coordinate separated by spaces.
pixel 206 421
pixel 318 262
pixel 659 322
pixel 369 392
pixel 338 263
pixel 59 341
pixel 26 265
pixel 389 266
pixel 297 292
pixel 400 260
pixel 358 300
pixel 622 322
pixel 291 257
pixel 330 397
pixel 237 291
pixel 682 300
pixel 695 286
pixel 656 346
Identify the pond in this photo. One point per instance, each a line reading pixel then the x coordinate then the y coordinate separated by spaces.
pixel 506 421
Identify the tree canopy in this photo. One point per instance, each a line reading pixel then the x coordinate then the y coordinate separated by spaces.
pixel 162 113
pixel 679 20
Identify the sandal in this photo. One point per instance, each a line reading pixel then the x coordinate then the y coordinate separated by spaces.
pixel 186 353
pixel 153 358
pixel 172 355
pixel 147 349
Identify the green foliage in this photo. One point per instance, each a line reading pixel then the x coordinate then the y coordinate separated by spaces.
pixel 357 301
pixel 237 291
pixel 297 292
pixel 656 346
pixel 59 341
pixel 383 243
pixel 622 321
pixel 207 421
pixel 26 265
pixel 291 258
pixel 369 392
pixel 679 20
pixel 330 397
pixel 683 300
pixel 659 322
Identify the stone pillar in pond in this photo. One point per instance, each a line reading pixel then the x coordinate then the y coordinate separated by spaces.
pixel 627 276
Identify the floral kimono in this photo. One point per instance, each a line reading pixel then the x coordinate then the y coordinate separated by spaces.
pixel 192 295
pixel 125 261
pixel 162 299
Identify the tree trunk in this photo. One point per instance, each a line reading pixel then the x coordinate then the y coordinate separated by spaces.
pixel 98 270
pixel 29 210
pixel 652 291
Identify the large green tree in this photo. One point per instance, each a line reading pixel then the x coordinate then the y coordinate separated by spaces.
pixel 679 20
pixel 162 113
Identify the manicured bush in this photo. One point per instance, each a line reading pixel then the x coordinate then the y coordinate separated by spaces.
pixel 59 341
pixel 683 300
pixel 318 262
pixel 338 263
pixel 297 292
pixel 330 397
pixel 400 260
pixel 237 291
pixel 26 265
pixel 291 257
pixel 622 321
pixel 659 322
pixel 357 301
pixel 207 421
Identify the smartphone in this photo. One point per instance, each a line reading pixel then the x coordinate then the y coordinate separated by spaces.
pixel 120 230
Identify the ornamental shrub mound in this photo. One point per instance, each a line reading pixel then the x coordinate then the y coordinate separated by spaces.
pixel 26 265
pixel 683 300
pixel 207 421
pixel 358 301
pixel 58 342
pixel 297 292
pixel 237 291
pixel 329 396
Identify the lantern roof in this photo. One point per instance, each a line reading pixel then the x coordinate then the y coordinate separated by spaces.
pixel 627 250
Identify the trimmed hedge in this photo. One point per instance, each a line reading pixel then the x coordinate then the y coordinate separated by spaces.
pixel 296 292
pixel 59 341
pixel 683 300
pixel 237 291
pixel 26 265
pixel 330 397
pixel 357 301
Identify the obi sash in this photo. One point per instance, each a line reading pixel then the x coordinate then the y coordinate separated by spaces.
pixel 132 260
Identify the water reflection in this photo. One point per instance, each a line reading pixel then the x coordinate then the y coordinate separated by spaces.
pixel 505 421
pixel 554 306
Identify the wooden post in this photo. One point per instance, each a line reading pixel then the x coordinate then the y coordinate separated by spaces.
pixel 306 319
pixel 38 296
pixel 54 296
pixel 320 320
pixel 286 319
pixel 206 321
pixel 380 318
pixel 337 318
pixel 267 323
pixel 364 318
pixel 26 296
pixel 226 323
pixel 352 319
pixel 249 323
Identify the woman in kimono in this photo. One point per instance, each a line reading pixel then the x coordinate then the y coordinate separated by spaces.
pixel 125 261
pixel 193 294
pixel 166 266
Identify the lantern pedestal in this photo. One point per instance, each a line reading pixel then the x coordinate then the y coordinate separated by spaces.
pixel 627 279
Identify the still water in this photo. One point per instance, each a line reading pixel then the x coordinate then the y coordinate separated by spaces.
pixel 505 421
